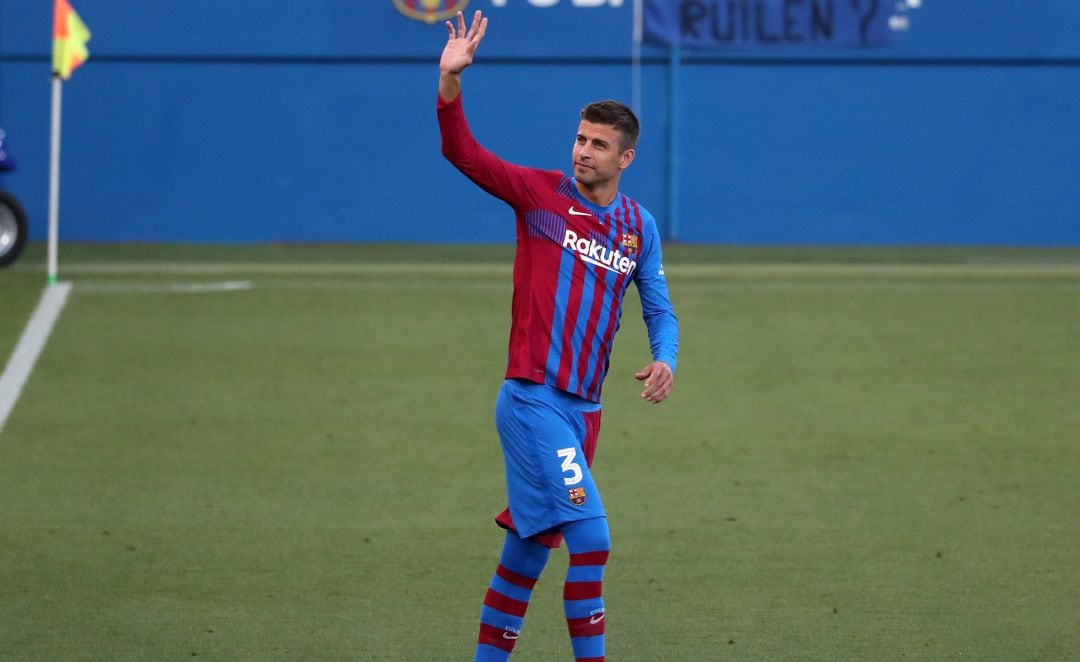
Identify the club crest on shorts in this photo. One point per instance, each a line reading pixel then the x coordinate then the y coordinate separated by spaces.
pixel 577 495
pixel 430 11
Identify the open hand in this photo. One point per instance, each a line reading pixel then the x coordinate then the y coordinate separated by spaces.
pixel 462 43
pixel 658 380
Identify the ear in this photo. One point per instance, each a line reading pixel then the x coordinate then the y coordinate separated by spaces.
pixel 626 158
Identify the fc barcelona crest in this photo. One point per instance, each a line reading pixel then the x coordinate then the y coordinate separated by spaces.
pixel 430 11
pixel 631 243
pixel 577 495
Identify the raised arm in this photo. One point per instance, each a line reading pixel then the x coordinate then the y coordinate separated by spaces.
pixel 506 181
pixel 458 53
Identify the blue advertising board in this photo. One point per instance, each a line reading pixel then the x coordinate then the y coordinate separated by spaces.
pixel 780 121
pixel 769 24
pixel 558 29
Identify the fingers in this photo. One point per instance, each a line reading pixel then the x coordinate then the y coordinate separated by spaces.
pixel 478 27
pixel 474 33
pixel 481 30
pixel 658 380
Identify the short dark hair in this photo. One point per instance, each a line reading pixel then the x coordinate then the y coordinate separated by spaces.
pixel 613 113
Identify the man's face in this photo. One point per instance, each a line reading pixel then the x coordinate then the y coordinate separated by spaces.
pixel 598 157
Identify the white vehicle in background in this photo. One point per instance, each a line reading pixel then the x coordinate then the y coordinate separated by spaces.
pixel 12 217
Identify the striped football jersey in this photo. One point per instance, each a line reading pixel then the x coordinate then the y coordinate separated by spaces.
pixel 573 265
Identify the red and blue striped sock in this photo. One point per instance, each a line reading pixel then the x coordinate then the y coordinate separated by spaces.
pixel 508 596
pixel 589 544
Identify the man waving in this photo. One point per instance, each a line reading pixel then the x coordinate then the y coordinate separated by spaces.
pixel 580 243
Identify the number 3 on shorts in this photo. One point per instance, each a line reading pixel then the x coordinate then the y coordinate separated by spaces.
pixel 569 466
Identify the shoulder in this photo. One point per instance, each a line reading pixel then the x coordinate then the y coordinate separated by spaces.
pixel 543 182
pixel 549 178
pixel 639 213
pixel 556 178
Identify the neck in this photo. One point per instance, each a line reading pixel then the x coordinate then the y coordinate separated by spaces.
pixel 599 194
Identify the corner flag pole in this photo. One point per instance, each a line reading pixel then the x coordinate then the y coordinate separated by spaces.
pixel 70 35
pixel 54 178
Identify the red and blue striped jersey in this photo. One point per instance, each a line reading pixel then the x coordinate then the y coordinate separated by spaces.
pixel 573 265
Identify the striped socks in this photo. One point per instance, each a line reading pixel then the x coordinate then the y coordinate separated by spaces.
pixel 589 544
pixel 507 597
pixel 520 565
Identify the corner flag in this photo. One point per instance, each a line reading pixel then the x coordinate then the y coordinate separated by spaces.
pixel 69 51
pixel 69 40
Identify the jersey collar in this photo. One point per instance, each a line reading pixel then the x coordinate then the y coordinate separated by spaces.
pixel 600 212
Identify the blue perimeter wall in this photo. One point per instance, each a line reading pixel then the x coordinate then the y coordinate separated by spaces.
pixel 253 121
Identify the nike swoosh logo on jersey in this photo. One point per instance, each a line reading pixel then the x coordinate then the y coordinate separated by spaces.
pixel 574 212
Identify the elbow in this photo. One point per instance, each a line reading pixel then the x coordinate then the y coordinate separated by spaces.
pixel 451 153
pixel 460 156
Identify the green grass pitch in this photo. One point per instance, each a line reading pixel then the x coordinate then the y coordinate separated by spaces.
pixel 870 454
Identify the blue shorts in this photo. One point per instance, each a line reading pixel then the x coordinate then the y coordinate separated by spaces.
pixel 543 433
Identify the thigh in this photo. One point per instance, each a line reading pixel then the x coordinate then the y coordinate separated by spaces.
pixel 548 479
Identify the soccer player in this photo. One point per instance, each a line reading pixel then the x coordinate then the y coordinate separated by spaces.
pixel 580 243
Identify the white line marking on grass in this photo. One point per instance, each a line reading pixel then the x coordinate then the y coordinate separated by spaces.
pixel 30 344
pixel 164 288
pixel 764 285
pixel 876 285
pixel 827 270
pixel 500 285
pixel 295 269
pixel 778 286
pixel 692 287
pixel 496 269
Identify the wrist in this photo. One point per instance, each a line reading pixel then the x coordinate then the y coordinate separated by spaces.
pixel 449 85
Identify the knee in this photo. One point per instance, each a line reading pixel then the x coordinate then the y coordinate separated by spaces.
pixel 587 535
pixel 523 556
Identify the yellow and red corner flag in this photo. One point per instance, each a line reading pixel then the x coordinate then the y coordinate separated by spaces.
pixel 69 40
